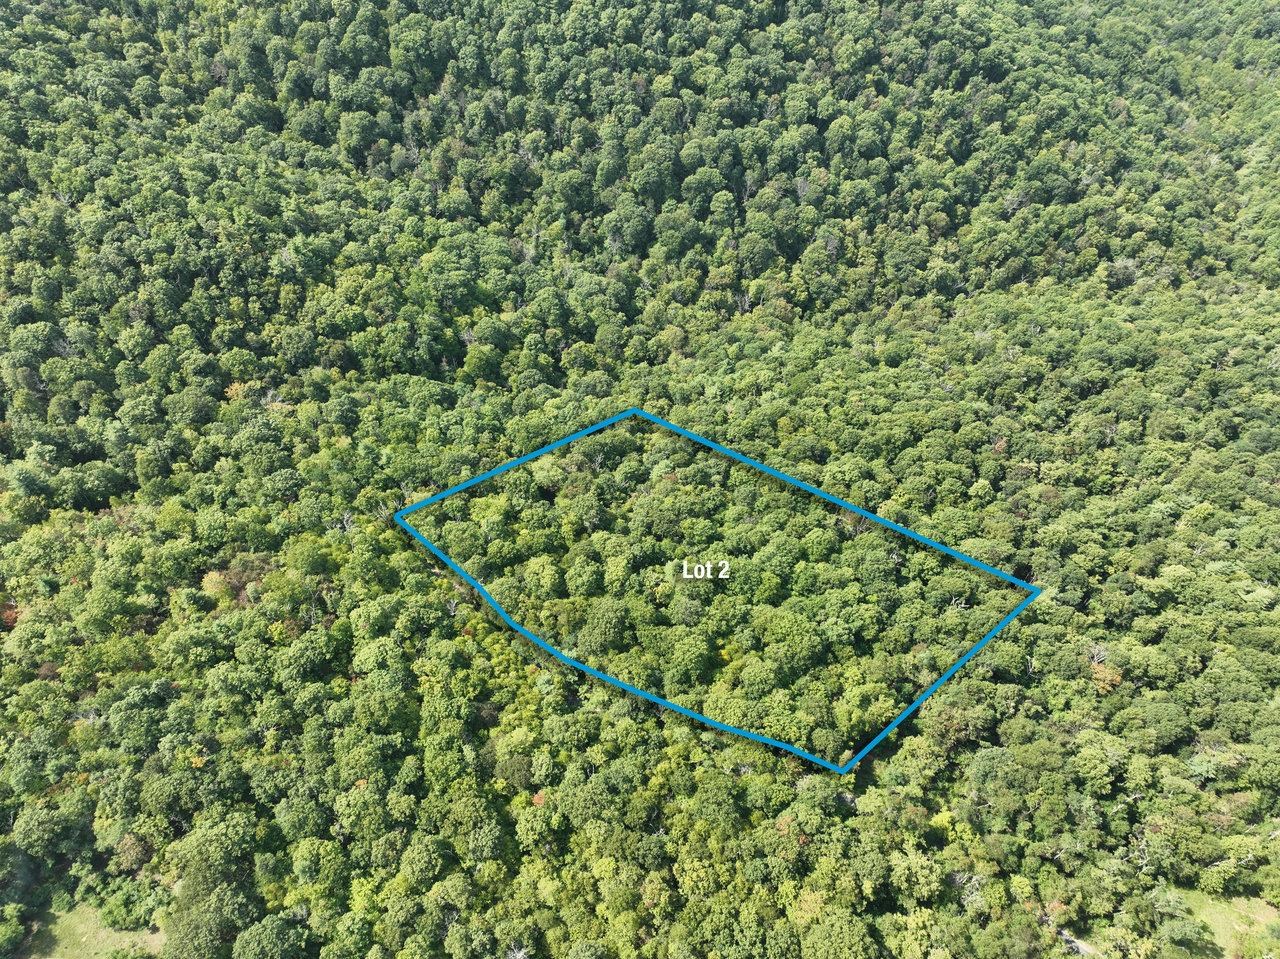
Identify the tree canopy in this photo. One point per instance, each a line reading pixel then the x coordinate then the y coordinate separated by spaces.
pixel 270 270
pixel 811 625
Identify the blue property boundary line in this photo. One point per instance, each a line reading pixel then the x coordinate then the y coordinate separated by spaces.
pixel 1032 591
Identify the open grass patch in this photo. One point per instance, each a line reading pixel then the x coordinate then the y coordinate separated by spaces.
pixel 1231 921
pixel 80 933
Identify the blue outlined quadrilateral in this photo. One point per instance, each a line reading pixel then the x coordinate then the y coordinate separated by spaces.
pixel 401 517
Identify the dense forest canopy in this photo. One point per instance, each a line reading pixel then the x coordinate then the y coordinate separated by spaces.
pixel 269 271
pixel 809 624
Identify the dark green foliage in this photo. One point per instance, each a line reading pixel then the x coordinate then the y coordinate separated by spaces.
pixel 273 938
pixel 1003 272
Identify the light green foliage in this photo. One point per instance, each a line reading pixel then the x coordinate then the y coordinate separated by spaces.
pixel 1004 272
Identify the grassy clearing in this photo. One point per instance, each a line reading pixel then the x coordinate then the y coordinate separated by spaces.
pixel 1232 923
pixel 80 934
pixel 1230 919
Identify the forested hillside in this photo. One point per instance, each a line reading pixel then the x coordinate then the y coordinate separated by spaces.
pixel 812 626
pixel 1005 273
